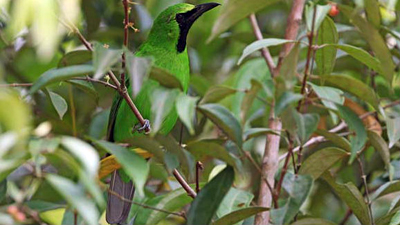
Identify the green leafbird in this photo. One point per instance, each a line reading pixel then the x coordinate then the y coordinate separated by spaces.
pixel 166 44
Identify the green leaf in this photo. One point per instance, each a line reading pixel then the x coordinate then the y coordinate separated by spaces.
pixel 104 59
pixel 355 124
pixel 249 98
pixel 75 58
pixel 381 146
pixel 173 201
pixel 306 124
pixel 3 189
pixel 148 144
pixel 393 130
pixel 75 195
pixel 255 132
pixel 186 108
pixel 374 39
pixel 217 93
pixel 85 86
pixel 372 12
pixel 329 96
pixel 138 69
pixel 354 87
pixel 395 219
pixel 206 203
pixel 298 187
pixel 288 72
pixel 322 11
pixel 239 215
pixel 233 11
pixel 61 74
pixel 325 57
pixel 313 221
pixel 260 44
pixel 84 152
pixel 320 161
pixel 285 100
pixel 225 120
pixel 134 165
pixel 165 78
pixel 200 149
pixel 234 200
pixel 59 104
pixel 387 188
pixel 162 104
pixel 336 139
pixel 352 197
pixel 361 55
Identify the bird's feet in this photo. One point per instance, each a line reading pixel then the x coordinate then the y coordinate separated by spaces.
pixel 140 129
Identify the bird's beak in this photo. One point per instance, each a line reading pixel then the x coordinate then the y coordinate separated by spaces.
pixel 200 9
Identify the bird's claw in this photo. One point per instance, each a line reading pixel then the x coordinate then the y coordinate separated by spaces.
pixel 145 127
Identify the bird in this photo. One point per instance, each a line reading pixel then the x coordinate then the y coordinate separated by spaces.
pixel 166 45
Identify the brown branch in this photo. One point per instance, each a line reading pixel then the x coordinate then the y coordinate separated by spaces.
pixel 16 85
pixel 126 35
pixel 364 178
pixel 199 167
pixel 184 184
pixel 292 28
pixel 285 166
pixel 264 51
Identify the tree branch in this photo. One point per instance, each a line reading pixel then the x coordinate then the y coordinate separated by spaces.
pixel 184 184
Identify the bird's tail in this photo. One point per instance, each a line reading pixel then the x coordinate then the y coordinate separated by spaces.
pixel 117 206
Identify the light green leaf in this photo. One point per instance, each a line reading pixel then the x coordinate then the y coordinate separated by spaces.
pixel 200 149
pixel 393 130
pixel 395 219
pixel 206 203
pixel 354 87
pixel 233 11
pixel 352 197
pixel 225 120
pixel 75 58
pixel 104 59
pixel 55 75
pixel 239 215
pixel 234 200
pixel 285 100
pixel 217 93
pixel 381 146
pixel 165 78
pixel 387 188
pixel 325 57
pixel 138 69
pixel 322 11
pixel 75 195
pixel 313 221
pixel 134 165
pixel 257 45
pixel 329 96
pixel 320 161
pixel 59 104
pixel 372 12
pixel 186 108
pixel 306 124
pixel 355 124
pixel 162 103
pixel 374 39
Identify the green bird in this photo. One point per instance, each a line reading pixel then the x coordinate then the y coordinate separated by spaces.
pixel 166 45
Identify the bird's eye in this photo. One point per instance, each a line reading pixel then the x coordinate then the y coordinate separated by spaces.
pixel 179 17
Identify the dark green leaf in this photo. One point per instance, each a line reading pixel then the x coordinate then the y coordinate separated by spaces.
pixel 322 11
pixel 148 144
pixel 239 215
pixel 255 132
pixel 249 98
pixel 217 93
pixel 3 189
pixel 233 11
pixel 356 125
pixel 208 200
pixel 306 124
pixel 352 197
pixel 75 195
pixel 285 100
pixel 355 87
pixel 257 45
pixel 320 161
pixel 374 39
pixel 61 74
pixel 59 104
pixel 225 120
pixel 186 108
pixel 234 200
pixel 75 58
pixel 85 86
pixel 134 165
pixel 325 57
pixel 381 146
pixel 104 59
pixel 200 149
pixel 329 96
pixel 336 139
pixel 165 78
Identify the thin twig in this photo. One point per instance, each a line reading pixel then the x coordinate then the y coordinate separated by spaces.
pixel 264 51
pixel 199 167
pixel 16 85
pixel 364 178
pixel 184 184
pixel 126 35
pixel 73 111
pixel 285 166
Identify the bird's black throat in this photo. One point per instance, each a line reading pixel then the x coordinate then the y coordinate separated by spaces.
pixel 186 20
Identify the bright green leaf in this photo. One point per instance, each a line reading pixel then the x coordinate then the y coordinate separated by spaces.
pixel 186 108
pixel 59 104
pixel 165 78
pixel 257 45
pixel 162 104
pixel 239 215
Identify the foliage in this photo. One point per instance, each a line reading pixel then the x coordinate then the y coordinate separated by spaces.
pixel 341 119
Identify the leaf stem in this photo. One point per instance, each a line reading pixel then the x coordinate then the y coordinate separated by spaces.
pixel 73 111
pixel 364 178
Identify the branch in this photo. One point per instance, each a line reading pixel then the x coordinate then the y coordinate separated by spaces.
pixel 364 178
pixel 126 33
pixel 293 23
pixel 184 184
pixel 264 51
